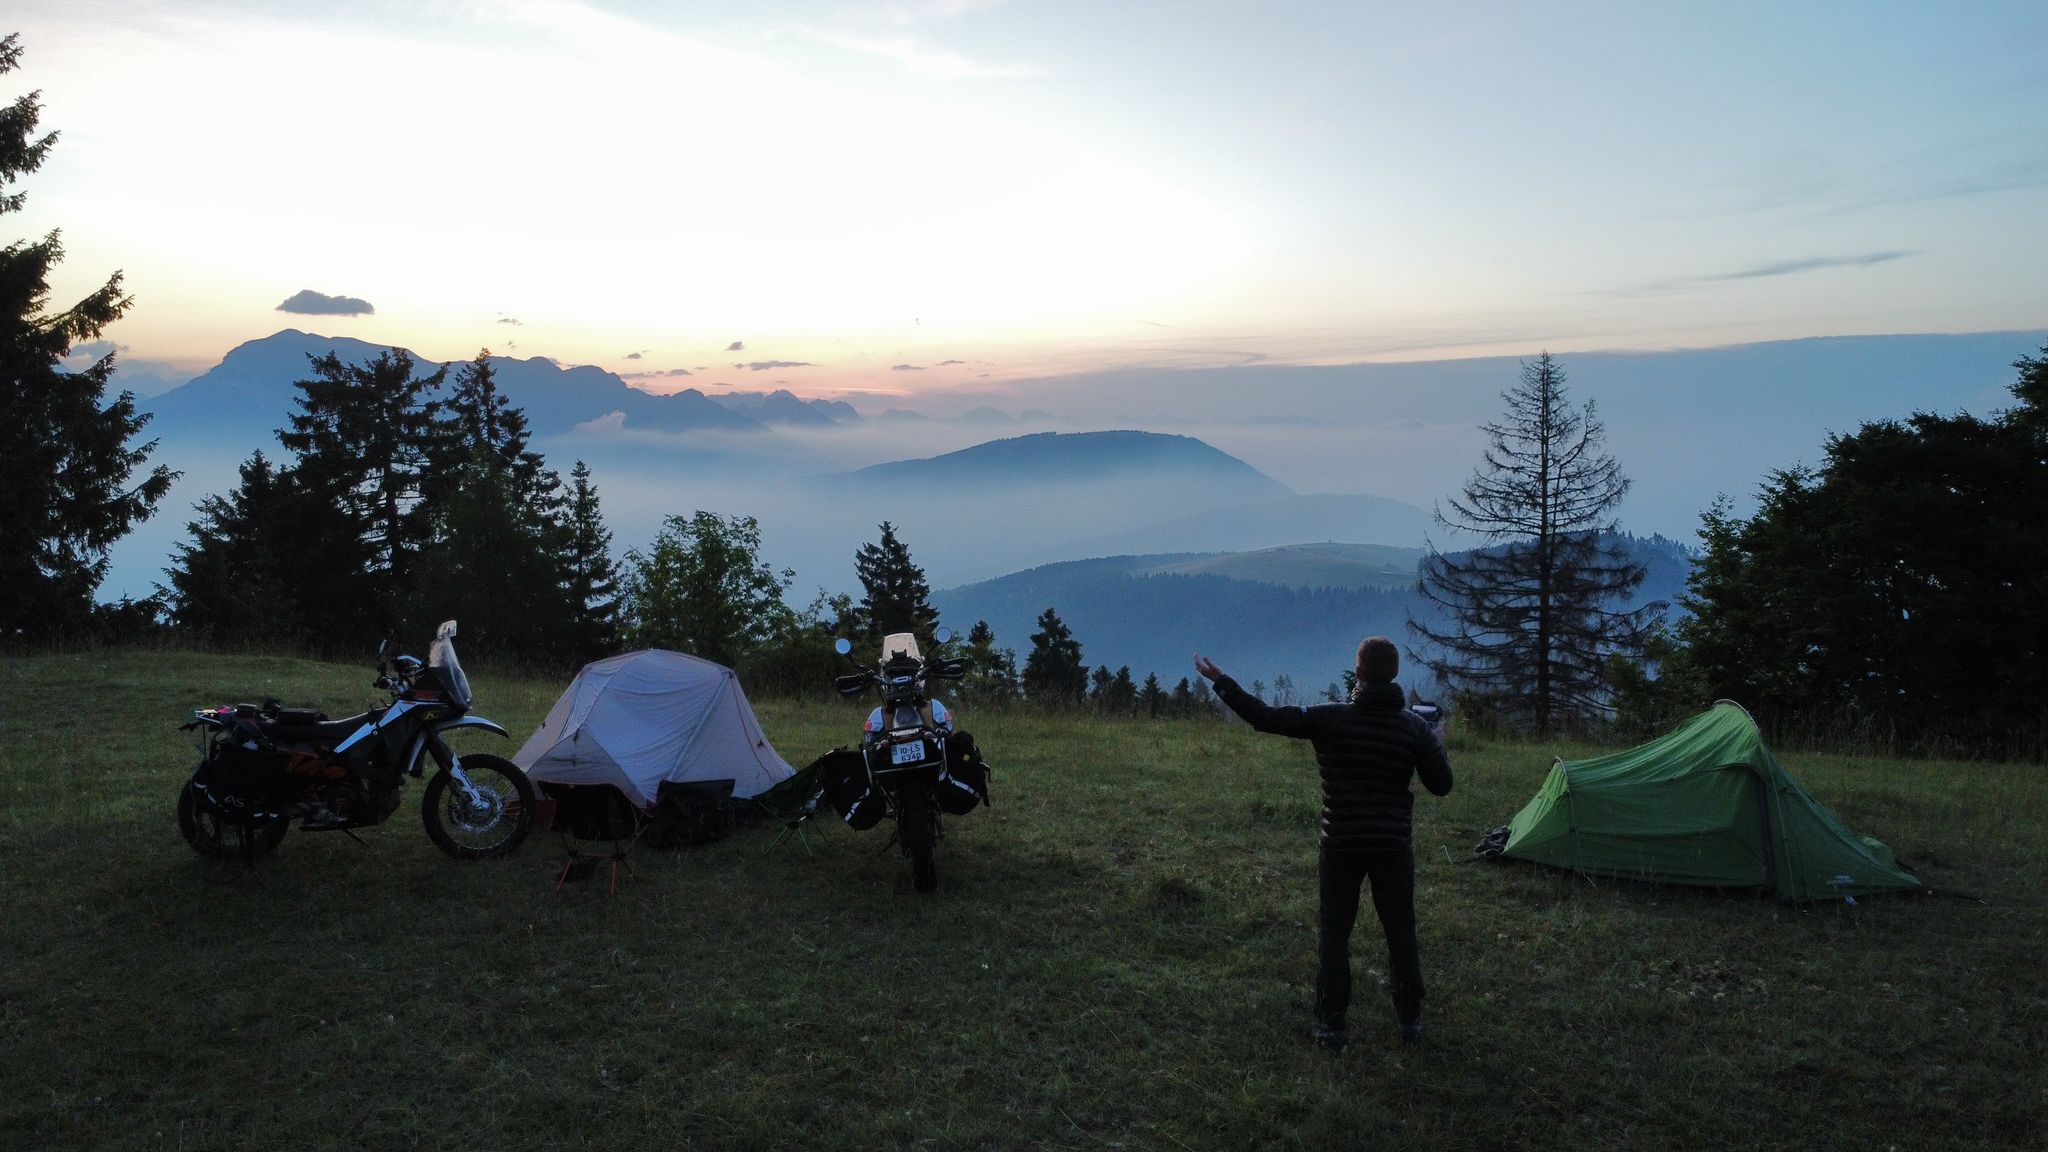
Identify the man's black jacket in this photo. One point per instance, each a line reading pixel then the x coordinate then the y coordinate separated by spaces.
pixel 1368 751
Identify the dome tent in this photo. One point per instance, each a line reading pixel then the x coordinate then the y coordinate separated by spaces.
pixel 647 718
pixel 1705 804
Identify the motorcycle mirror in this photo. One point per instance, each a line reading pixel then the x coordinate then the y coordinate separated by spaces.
pixel 843 646
pixel 943 636
pixel 383 646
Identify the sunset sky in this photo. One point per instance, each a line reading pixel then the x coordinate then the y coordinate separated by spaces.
pixel 947 195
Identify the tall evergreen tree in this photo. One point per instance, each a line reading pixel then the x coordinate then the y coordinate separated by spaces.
pixel 494 560
pixel 1099 682
pixel 1151 696
pixel 991 671
pixel 66 461
pixel 1529 620
pixel 894 595
pixel 233 582
pixel 369 439
pixel 1054 674
pixel 488 427
pixel 585 570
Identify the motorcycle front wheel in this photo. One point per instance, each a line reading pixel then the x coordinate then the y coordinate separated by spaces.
pixel 492 821
pixel 217 839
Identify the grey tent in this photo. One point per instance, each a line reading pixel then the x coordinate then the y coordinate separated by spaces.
pixel 647 718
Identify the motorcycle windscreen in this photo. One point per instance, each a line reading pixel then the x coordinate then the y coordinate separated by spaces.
pixel 442 656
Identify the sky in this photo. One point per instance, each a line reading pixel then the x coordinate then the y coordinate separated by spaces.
pixel 942 198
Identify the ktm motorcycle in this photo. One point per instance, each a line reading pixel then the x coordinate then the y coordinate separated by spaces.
pixel 265 768
pixel 913 766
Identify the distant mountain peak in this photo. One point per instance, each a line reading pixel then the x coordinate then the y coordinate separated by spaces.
pixel 1046 457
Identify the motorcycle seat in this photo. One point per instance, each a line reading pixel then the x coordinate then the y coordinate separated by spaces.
pixel 326 733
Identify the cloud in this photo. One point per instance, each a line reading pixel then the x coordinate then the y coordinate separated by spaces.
pixel 633 355
pixel 919 60
pixel 736 346
pixel 1793 267
pixel 307 302
pixel 907 368
pixel 91 350
pixel 1765 271
pixel 765 365
pixel 674 372
pixel 950 363
pixel 510 320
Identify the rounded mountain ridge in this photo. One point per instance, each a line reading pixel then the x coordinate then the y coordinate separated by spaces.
pixel 1054 456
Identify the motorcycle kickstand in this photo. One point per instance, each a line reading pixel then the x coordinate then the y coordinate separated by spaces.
pixel 895 838
pixel 351 834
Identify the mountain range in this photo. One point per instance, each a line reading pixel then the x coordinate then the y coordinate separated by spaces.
pixel 252 391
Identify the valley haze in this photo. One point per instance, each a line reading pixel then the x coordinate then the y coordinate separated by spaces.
pixel 1128 462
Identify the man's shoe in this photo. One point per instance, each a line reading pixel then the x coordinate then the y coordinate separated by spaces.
pixel 1410 1025
pixel 1328 1039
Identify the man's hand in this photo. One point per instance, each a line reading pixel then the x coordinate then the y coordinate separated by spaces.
pixel 1208 669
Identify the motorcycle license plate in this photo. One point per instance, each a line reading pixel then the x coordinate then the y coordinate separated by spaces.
pixel 907 753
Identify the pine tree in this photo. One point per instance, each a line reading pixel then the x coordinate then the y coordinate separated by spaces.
pixel 991 671
pixel 1100 683
pixel 1054 674
pixel 586 573
pixel 1530 619
pixel 495 509
pixel 894 596
pixel 233 583
pixel 369 439
pixel 1152 696
pixel 66 464
pixel 487 426
pixel 1183 698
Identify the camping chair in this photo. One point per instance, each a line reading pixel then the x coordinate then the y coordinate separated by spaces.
pixel 795 801
pixel 597 823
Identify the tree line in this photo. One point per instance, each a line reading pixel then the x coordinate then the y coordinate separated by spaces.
pixel 1895 595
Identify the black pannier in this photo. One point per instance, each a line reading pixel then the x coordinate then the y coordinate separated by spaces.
pixel 243 785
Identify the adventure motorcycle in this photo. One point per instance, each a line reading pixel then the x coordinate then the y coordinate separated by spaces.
pixel 265 767
pixel 913 764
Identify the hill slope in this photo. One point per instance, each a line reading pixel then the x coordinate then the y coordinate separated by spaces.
pixel 1293 611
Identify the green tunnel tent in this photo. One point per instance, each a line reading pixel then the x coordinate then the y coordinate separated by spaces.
pixel 1705 804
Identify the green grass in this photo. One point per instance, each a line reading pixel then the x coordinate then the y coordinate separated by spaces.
pixel 1119 956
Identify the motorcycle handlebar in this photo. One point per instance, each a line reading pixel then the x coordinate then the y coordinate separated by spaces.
pixel 853 684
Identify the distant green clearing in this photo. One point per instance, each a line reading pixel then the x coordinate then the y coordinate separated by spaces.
pixel 1119 956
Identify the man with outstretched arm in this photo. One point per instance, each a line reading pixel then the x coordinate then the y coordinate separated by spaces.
pixel 1367 749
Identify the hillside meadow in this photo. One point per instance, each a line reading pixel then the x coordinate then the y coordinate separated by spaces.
pixel 1119 956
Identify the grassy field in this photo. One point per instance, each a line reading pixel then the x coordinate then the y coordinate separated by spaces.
pixel 1119 956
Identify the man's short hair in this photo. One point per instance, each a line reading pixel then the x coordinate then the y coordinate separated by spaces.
pixel 1378 660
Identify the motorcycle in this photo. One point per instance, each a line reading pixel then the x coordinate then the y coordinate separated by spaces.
pixel 265 767
pixel 914 766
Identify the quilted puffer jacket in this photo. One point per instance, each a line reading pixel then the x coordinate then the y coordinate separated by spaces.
pixel 1368 750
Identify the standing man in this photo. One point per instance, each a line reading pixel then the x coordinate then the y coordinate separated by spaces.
pixel 1367 750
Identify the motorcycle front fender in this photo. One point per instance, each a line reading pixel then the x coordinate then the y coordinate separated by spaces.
pixel 491 726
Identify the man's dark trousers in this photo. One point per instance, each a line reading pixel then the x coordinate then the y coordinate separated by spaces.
pixel 1343 874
